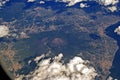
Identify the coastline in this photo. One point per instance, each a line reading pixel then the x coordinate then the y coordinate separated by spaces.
pixel 115 68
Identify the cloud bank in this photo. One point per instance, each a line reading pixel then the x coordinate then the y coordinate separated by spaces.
pixel 4 31
pixel 55 69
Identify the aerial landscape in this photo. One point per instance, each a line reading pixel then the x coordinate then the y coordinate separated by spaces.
pixel 60 39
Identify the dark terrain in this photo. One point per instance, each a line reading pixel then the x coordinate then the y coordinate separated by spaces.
pixel 72 31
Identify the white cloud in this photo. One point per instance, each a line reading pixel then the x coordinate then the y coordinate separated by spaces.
pixel 76 69
pixel 4 30
pixel 112 8
pixel 83 5
pixel 42 2
pixel 72 2
pixel 109 2
pixel 117 30
pixel 101 2
pixel 104 2
pixel 110 78
pixel 2 2
pixel 31 0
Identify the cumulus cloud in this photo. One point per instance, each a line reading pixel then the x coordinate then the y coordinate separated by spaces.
pixel 117 30
pixel 110 78
pixel 42 2
pixel 106 3
pixel 110 4
pixel 72 2
pixel 55 69
pixel 4 30
pixel 31 0
pixel 83 5
pixel 112 8
pixel 2 2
